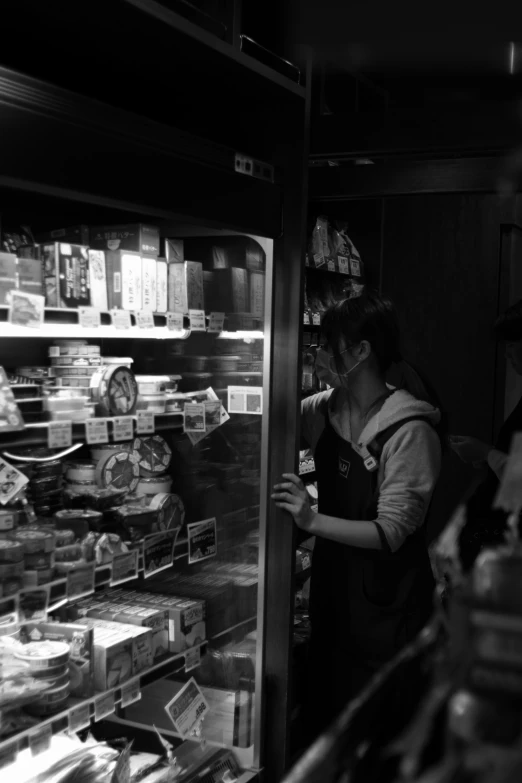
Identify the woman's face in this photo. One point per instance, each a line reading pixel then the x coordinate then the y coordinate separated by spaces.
pixel 325 364
pixel 514 355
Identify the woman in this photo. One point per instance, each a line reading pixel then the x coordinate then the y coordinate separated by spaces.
pixel 377 456
pixel 486 526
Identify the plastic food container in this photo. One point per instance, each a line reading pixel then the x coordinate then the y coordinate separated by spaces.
pixel 43 655
pixel 155 485
pixel 108 449
pixel 156 403
pixel 123 361
pixel 59 404
pixel 80 471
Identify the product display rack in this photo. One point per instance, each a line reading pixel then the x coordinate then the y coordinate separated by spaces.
pixel 92 155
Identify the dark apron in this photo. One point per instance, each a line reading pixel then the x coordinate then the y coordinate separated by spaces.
pixel 365 605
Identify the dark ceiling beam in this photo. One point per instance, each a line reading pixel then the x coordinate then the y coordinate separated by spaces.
pixel 457 130
pixel 401 178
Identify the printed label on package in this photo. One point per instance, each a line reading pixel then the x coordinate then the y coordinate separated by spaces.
pixel 245 399
pixel 11 482
pixel 355 267
pixel 80 582
pixel 33 604
pixel 187 709
pixel 197 321
pixel 158 552
pixel 26 309
pixel 121 319
pixel 331 265
pixel 196 437
pixel 104 705
pixel 80 718
pixel 123 428
pixel 175 322
pixel 306 466
pixel 59 435
pixel 144 319
pixel 318 259
pixel 316 319
pixel 194 417
pixel 130 693
pixel 306 318
pixel 90 317
pixel 192 659
pixel 202 540
pixel 344 268
pixel 217 321
pixel 124 568
pixel 96 431
pixel 40 740
pixel 8 755
pixel 212 413
pixel 145 423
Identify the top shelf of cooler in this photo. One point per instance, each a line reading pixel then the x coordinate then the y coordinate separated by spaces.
pixel 64 323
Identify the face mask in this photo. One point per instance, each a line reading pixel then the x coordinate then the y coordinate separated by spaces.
pixel 324 369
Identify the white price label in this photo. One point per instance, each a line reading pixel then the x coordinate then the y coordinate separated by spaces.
pixel 59 435
pixel 130 693
pixel 123 428
pixel 145 423
pixel 217 321
pixel 187 709
pixel 124 568
pixel 316 319
pixel 81 581
pixel 80 718
pixel 331 265
pixel 40 740
pixel 197 321
pixel 145 319
pixel 175 322
pixel 96 431
pixel 305 562
pixel 121 319
pixel 90 317
pixel 343 265
pixel 318 259
pixel 306 317
pixel 104 705
pixel 192 659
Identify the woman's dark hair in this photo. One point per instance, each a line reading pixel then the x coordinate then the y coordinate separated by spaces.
pixel 508 326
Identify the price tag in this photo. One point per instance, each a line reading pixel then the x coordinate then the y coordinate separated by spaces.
pixel 316 319
pixel 59 435
pixel 40 740
pixel 197 320
pixel 175 321
pixel 145 423
pixel 355 267
pixel 217 321
pixel 80 582
pixel 145 319
pixel 104 705
pixel 202 540
pixel 90 317
pixel 187 709
pixel 8 755
pixel 318 259
pixel 80 718
pixel 124 568
pixel 130 693
pixel 343 265
pixel 158 552
pixel 121 319
pixel 306 317
pixel 96 431
pixel 305 562
pixel 123 428
pixel 192 659
pixel 331 265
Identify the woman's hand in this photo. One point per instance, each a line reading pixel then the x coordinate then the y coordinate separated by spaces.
pixel 470 449
pixel 293 497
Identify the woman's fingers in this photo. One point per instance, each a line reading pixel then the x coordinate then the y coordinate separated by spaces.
pixel 287 487
pixel 293 478
pixel 285 496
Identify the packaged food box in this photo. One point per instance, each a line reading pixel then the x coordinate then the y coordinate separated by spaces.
pixel 185 287
pixel 148 285
pixel 173 250
pixel 77 235
pixel 113 649
pixel 30 275
pixel 138 237
pixel 157 620
pixel 98 279
pixel 186 617
pixel 231 290
pixel 162 285
pixel 142 657
pixel 7 276
pixel 80 640
pixel 124 289
pixel 66 275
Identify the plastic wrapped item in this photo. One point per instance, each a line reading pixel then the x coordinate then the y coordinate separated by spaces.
pixel 95 499
pixel 154 455
pixel 92 763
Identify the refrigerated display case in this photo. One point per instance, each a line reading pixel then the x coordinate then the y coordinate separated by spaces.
pixel 81 159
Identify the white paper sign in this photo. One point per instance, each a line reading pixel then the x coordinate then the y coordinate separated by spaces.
pixel 130 693
pixel 192 659
pixel 187 709
pixel 59 434
pixel 197 321
pixel 12 481
pixel 194 417
pixel 175 322
pixel 96 431
pixel 145 423
pixel 331 265
pixel 80 718
pixel 145 319
pixel 245 399
pixel 121 319
pixel 123 428
pixel 216 322
pixel 90 317
pixel 343 265
pixel 316 319
pixel 104 705
pixel 196 437
pixel 26 309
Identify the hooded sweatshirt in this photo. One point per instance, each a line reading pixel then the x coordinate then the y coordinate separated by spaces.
pixel 409 465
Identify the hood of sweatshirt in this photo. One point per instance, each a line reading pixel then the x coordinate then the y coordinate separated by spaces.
pixel 399 406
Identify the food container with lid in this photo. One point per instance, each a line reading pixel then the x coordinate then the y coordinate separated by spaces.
pixel 79 521
pixel 124 361
pixel 154 454
pixel 108 449
pixel 115 390
pixel 155 485
pixel 156 403
pixel 78 470
pixel 120 471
